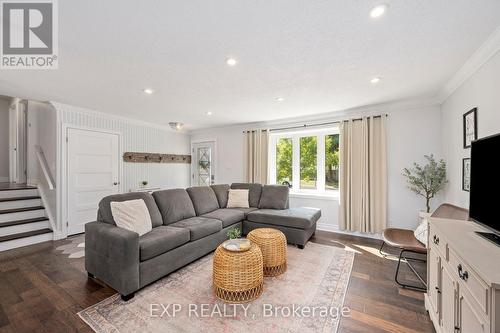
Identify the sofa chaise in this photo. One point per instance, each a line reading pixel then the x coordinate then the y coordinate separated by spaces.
pixel 187 224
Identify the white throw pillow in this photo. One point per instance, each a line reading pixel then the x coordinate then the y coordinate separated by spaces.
pixel 132 215
pixel 421 232
pixel 237 199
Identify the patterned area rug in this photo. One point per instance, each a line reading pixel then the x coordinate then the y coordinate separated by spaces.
pixel 309 297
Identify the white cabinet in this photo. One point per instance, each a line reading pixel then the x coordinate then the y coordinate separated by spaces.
pixel 463 279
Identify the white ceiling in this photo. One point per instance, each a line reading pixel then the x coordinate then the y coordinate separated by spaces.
pixel 319 55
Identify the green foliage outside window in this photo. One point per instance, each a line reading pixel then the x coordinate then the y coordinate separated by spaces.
pixel 332 161
pixel 284 153
pixel 308 162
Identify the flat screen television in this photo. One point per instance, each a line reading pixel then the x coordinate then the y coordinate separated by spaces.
pixel 485 184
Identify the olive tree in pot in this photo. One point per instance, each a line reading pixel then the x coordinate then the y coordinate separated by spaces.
pixel 426 180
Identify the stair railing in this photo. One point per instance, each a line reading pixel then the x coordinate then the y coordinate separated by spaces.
pixel 45 167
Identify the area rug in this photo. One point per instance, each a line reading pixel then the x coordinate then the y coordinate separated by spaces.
pixel 309 297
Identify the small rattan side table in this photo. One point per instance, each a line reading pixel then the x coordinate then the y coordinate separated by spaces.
pixel 272 243
pixel 238 276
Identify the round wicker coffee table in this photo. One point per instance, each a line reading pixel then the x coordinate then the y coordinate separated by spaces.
pixel 272 243
pixel 238 276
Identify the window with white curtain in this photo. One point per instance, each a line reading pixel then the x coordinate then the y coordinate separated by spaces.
pixel 306 160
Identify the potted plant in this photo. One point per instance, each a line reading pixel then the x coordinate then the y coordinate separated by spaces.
pixel 234 233
pixel 426 180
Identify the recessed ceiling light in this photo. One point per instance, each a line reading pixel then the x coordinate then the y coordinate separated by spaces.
pixel 231 62
pixel 375 80
pixel 209 113
pixel 279 99
pixel 148 91
pixel 378 11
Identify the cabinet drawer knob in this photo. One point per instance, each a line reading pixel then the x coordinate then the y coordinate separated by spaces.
pixel 464 275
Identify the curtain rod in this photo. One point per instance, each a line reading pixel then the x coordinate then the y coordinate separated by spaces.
pixel 312 125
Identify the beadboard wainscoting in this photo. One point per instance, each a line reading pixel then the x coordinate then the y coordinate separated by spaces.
pixel 141 137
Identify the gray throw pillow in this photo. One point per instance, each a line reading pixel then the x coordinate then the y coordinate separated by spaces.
pixel 274 197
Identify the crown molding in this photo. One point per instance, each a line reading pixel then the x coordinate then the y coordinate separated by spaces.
pixel 355 112
pixel 484 53
pixel 70 108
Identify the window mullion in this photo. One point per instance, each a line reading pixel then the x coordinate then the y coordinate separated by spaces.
pixel 296 162
pixel 320 167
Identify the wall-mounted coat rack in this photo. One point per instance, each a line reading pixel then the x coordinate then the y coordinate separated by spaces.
pixel 155 158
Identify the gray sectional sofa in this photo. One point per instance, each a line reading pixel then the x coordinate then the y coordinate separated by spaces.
pixel 187 224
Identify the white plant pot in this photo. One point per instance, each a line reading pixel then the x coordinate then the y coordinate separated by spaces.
pixel 424 216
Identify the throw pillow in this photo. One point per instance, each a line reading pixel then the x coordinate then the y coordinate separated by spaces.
pixel 237 199
pixel 421 233
pixel 274 197
pixel 132 215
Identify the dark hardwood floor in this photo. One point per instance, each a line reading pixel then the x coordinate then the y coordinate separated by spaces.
pixel 42 289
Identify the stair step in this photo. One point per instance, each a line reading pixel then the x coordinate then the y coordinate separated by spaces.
pixel 33 238
pixel 25 234
pixel 9 194
pixel 19 198
pixel 20 210
pixel 19 222
pixel 15 187
pixel 16 204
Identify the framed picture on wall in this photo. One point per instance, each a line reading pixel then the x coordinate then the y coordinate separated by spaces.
pixel 466 174
pixel 470 127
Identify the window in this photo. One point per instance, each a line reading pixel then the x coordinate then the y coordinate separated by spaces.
pixel 307 161
pixel 332 162
pixel 284 155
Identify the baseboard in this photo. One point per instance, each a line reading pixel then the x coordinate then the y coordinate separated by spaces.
pixel 335 228
pixel 4 179
pixel 32 182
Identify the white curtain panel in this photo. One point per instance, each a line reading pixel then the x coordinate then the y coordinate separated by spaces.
pixel 363 175
pixel 256 149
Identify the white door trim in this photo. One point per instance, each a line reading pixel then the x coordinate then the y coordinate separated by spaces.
pixel 64 168
pixel 216 157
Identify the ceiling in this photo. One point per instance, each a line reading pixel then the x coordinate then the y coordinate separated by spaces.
pixel 318 55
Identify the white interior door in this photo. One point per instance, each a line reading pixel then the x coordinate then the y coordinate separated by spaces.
pixel 93 173
pixel 203 158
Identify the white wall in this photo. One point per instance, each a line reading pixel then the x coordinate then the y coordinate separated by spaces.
pixel 4 140
pixel 137 137
pixel 481 90
pixel 412 132
pixel 42 131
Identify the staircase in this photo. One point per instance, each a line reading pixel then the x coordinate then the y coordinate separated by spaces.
pixel 22 217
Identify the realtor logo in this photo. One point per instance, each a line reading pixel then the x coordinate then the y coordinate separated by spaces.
pixel 29 34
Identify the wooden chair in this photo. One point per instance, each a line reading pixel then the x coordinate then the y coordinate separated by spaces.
pixel 406 242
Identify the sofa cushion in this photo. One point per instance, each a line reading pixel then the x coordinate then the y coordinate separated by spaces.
pixel 132 215
pixel 237 199
pixel 199 227
pixel 220 191
pixel 274 197
pixel 227 216
pixel 245 211
pixel 174 205
pixel 161 240
pixel 104 213
pixel 300 218
pixel 203 198
pixel 254 194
